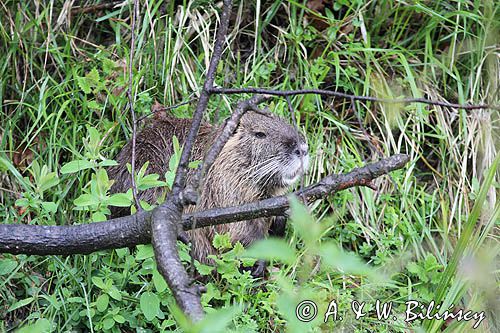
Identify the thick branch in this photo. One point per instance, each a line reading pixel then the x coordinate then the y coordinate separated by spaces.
pixel 135 229
pixel 187 295
pixel 180 177
pixel 284 93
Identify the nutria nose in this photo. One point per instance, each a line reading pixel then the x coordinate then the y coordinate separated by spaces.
pixel 301 150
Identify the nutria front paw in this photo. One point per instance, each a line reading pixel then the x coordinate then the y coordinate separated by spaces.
pixel 259 269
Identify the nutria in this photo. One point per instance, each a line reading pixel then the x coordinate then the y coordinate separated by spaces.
pixel 263 157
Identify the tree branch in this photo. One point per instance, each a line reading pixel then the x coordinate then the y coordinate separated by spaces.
pixel 136 229
pixel 165 220
pixel 284 93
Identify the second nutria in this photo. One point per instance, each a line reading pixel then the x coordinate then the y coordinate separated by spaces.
pixel 263 157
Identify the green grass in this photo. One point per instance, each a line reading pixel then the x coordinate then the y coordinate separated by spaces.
pixel 429 233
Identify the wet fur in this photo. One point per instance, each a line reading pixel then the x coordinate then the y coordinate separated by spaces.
pixel 247 169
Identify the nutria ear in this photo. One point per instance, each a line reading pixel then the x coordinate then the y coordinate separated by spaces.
pixel 159 111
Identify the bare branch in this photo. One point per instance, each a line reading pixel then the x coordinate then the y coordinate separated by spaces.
pixel 165 220
pixel 284 93
pixel 135 229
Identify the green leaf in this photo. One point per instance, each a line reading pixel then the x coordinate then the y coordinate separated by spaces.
pixel 86 200
pixel 144 252
pixel 303 223
pixel 93 105
pixel 119 318
pixel 108 323
pixel 22 202
pixel 412 267
pixel 169 178
pixel 142 170
pixel 159 281
pixel 175 143
pixel 98 217
pixel 194 164
pixel 173 162
pixel 150 181
pixel 222 242
pixel 272 248
pixel 20 304
pixel 120 200
pixel 108 66
pixel 218 321
pixel 40 326
pixel 203 269
pixel 75 166
pixel 150 305
pixel 84 85
pixel 99 283
pixel 48 181
pixel 107 163
pixel 122 252
pixel 94 136
pixel 147 207
pixel 349 263
pixel 93 76
pixel 115 293
pixel 7 266
pixel 102 302
pixel 49 206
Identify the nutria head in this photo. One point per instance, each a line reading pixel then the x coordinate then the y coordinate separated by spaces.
pixel 272 153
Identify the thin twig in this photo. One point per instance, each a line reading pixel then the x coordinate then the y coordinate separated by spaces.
pixel 275 92
pixel 166 108
pixel 131 102
pixel 292 112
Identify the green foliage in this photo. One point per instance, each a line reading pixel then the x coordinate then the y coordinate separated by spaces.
pixel 422 235
pixel 33 200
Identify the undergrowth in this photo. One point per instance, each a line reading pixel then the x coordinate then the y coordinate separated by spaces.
pixel 429 233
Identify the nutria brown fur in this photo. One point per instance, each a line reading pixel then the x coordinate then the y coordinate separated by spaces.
pixel 261 159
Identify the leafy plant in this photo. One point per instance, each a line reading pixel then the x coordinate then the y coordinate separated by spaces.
pixel 34 199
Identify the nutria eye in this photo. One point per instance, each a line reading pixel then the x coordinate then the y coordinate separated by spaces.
pixel 260 135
